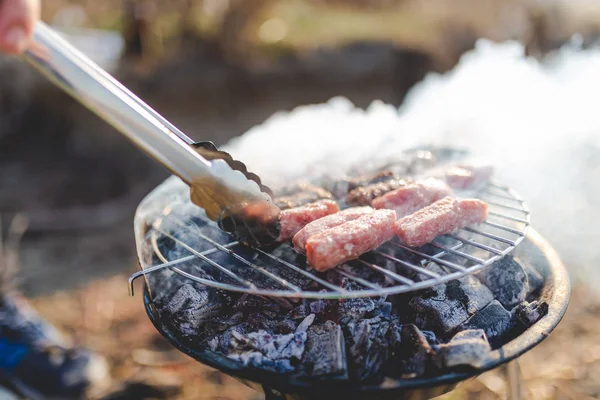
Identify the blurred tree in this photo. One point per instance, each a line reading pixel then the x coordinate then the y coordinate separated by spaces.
pixel 232 35
pixel 189 23
pixel 427 25
pixel 134 30
pixel 141 33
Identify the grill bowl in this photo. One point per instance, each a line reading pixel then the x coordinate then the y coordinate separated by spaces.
pixel 555 292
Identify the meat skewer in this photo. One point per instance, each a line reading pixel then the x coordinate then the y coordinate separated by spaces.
pixel 327 222
pixel 363 196
pixel 300 194
pixel 293 220
pixel 349 240
pixel 298 199
pixel 341 187
pixel 412 197
pixel 382 176
pixel 443 216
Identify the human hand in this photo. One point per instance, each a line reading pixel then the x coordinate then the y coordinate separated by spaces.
pixel 17 18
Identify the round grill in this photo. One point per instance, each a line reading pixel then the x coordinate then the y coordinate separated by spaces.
pixel 173 233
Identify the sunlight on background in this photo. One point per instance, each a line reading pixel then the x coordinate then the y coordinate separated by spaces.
pixel 273 30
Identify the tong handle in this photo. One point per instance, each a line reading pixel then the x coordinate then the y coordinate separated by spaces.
pixel 73 72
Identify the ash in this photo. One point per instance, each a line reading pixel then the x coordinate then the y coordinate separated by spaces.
pixel 453 325
pixel 264 349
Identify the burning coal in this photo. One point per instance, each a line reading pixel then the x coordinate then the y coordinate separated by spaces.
pixel 536 121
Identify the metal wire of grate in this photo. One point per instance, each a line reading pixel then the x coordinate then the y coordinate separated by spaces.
pixel 194 247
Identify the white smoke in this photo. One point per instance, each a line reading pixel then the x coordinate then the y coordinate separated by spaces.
pixel 538 123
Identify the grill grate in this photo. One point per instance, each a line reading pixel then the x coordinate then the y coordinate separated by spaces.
pixel 183 240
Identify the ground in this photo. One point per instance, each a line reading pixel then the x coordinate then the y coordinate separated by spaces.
pixel 102 316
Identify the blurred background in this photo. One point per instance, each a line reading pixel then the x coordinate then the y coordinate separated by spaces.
pixel 215 68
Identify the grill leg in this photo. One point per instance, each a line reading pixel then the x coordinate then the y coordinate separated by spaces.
pixel 512 373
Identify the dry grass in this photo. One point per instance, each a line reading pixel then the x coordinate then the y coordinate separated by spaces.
pixel 103 317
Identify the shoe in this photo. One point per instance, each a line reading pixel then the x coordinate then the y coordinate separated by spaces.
pixel 35 361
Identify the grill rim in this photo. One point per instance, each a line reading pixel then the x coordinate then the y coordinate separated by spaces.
pixel 559 286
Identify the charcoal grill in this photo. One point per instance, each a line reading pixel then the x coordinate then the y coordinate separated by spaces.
pixel 173 234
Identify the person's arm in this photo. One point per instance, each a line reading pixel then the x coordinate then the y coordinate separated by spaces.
pixel 17 18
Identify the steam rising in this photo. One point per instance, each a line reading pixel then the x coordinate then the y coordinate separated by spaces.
pixel 538 123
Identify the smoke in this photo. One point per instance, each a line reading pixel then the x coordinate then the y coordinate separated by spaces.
pixel 537 122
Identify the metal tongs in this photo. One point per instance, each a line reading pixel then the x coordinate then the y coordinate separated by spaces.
pixel 222 186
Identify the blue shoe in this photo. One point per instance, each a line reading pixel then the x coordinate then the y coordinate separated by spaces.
pixel 35 361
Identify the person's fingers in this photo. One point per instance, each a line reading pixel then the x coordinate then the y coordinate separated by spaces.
pixel 17 18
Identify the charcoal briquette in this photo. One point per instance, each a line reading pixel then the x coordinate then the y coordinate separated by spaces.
pixel 412 354
pixel 436 312
pixel 508 281
pixel 445 306
pixel 192 306
pixel 494 320
pixel 530 313
pixel 325 351
pixel 368 343
pixel 470 292
pixel 353 309
pixel 466 348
